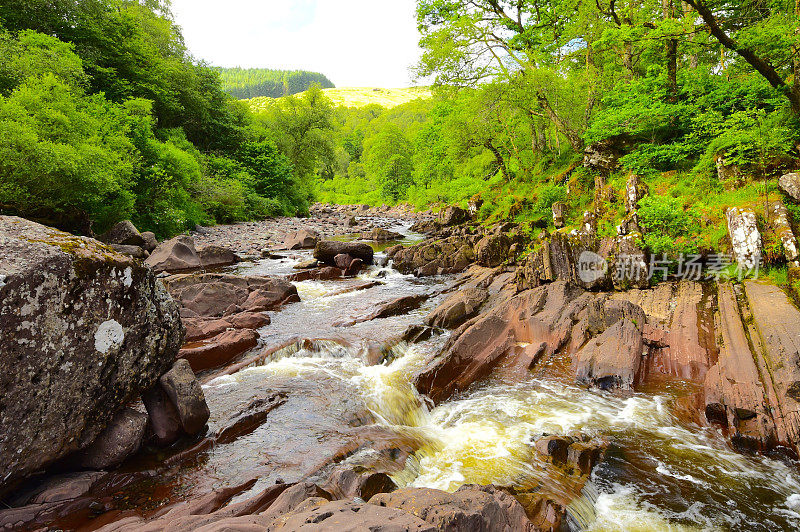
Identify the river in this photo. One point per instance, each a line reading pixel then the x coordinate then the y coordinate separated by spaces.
pixel 660 472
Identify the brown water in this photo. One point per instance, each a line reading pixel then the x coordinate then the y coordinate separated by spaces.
pixel 660 473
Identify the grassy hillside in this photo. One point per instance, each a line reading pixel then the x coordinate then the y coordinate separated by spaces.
pixel 363 96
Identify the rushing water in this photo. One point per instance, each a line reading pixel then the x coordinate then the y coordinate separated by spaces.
pixel 660 472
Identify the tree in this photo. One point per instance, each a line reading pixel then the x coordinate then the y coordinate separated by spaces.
pixel 302 126
pixel 387 159
pixel 769 38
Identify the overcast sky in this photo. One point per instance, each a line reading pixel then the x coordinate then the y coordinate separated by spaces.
pixel 356 43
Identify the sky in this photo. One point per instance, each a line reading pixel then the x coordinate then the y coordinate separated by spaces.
pixel 356 43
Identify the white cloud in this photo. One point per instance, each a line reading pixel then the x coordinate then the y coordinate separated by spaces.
pixel 353 42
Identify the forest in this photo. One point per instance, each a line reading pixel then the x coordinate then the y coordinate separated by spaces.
pixel 699 97
pixel 246 83
pixel 104 115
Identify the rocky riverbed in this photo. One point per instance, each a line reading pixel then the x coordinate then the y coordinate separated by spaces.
pixel 439 383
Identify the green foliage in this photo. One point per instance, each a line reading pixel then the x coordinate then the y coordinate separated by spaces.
pixel 63 155
pixel 105 116
pixel 667 226
pixel 246 83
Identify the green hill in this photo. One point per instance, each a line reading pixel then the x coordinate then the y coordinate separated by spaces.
pixel 363 96
pixel 245 83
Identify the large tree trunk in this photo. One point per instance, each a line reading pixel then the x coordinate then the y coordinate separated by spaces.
pixel 761 65
pixel 573 137
pixel 672 56
pixel 498 157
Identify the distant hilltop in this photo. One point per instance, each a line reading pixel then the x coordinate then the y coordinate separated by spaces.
pixel 363 96
pixel 247 83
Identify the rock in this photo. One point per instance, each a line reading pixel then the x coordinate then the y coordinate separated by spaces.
pixel 350 515
pixel 613 359
pixel 744 236
pixel 474 205
pixel 216 257
pixel 327 250
pixel 727 173
pixel 451 255
pixel 417 333
pixel 249 419
pixel 559 211
pixel 783 229
pixel 458 308
pixel 123 233
pixel 573 257
pixel 453 216
pixel 212 294
pixel 352 221
pixel 220 349
pixel 733 385
pixel 65 487
pixel 590 223
pixel 150 241
pixel 582 457
pixel 635 191
pixel 554 447
pixel 354 268
pixel 326 273
pixel 790 183
pixel 83 329
pixel 346 482
pixel 133 251
pixel 175 255
pixel 628 263
pixel 120 439
pixel 604 155
pixel 541 320
pixel 777 347
pixel 470 509
pixel 186 394
pixel 303 239
pixel 395 307
pixel 381 235
pixel 307 265
pixel 201 328
pixel 492 250
pixel 165 422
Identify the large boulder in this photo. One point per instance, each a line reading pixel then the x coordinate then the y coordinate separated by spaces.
pixel 216 257
pixel 745 237
pixel 605 154
pixel 215 294
pixel 83 330
pixel 613 359
pixel 327 250
pixel 175 255
pixel 790 183
pixel 186 394
pixel 123 233
pixel 492 250
pixel 150 241
pixel 303 239
pixel 121 439
pixel 453 216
